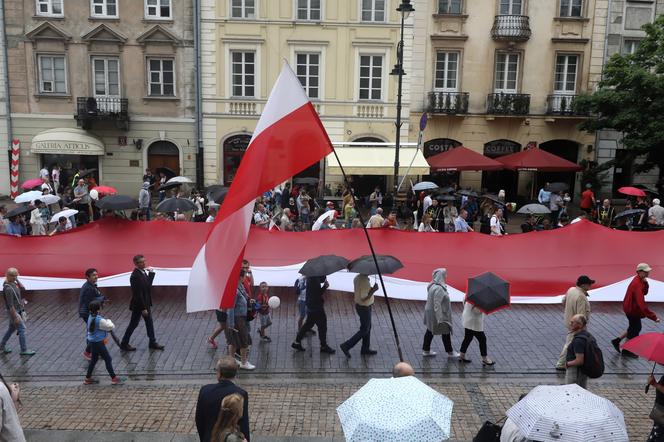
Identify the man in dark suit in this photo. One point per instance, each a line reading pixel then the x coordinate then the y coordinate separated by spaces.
pixel 210 397
pixel 141 303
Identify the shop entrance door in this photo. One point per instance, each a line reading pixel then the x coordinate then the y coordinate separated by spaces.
pixel 164 154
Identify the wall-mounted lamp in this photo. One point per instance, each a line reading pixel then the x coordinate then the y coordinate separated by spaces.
pixel 138 143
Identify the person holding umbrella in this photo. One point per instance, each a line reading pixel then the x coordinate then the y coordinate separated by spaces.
pixel 316 287
pixel 635 308
pixel 472 319
pixel 438 315
pixel 364 299
pixel 657 413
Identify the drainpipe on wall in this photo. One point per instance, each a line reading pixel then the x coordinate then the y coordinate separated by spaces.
pixel 6 78
pixel 199 98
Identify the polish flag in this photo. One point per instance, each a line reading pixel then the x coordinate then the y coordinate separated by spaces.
pixel 289 137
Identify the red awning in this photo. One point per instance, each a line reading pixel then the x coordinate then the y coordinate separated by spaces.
pixel 538 160
pixel 462 158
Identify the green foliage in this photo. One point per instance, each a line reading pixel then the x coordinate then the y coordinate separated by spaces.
pixel 630 99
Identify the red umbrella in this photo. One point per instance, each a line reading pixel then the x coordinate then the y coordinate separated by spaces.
pixel 31 184
pixel 631 191
pixel 462 158
pixel 106 190
pixel 538 160
pixel 649 346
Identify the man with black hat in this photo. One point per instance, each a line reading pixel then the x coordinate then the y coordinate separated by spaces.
pixel 576 303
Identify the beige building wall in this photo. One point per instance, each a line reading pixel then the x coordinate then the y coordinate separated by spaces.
pixel 469 34
pixel 132 37
pixel 275 35
pixel 4 136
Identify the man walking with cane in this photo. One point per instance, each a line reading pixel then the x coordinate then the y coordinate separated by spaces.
pixel 576 303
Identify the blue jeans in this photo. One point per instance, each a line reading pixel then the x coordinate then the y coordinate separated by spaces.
pixel 21 334
pixel 364 312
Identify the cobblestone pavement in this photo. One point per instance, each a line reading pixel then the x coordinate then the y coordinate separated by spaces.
pixel 280 408
pixel 522 340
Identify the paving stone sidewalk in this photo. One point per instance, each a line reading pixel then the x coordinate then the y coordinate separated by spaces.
pixel 280 409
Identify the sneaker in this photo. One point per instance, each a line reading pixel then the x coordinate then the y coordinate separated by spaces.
pixel 87 355
pixel 616 344
pixel 429 353
pixel 117 380
pixel 297 346
pixel 247 366
pixel 454 354
pixel 212 343
pixel 6 350
pixel 89 381
pixel 28 353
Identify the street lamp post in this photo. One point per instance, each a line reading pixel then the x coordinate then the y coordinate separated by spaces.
pixel 405 8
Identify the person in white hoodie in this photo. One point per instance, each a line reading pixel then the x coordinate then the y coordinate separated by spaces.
pixel 472 319
pixel 144 200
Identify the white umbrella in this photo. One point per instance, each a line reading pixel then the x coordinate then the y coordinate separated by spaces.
pixel 322 219
pixel 396 410
pixel 536 209
pixel 48 199
pixel 28 197
pixel 66 213
pixel 425 185
pixel 180 179
pixel 554 413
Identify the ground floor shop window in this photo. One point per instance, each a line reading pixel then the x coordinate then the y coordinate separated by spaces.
pixel 69 166
pixel 233 149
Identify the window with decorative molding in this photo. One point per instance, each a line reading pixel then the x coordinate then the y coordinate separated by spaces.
pixel 52 74
pixel 450 6
pixel 308 72
pixel 507 71
pixel 371 77
pixel 566 73
pixel 49 8
pixel 243 8
pixel 447 68
pixel 104 8
pixel 571 8
pixel 161 77
pixel 243 74
pixel 308 9
pixel 511 7
pixel 158 9
pixel 373 10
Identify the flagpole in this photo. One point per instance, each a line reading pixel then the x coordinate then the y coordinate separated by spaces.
pixel 373 254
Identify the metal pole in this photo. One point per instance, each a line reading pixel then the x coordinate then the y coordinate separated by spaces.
pixel 198 81
pixel 373 254
pixel 399 93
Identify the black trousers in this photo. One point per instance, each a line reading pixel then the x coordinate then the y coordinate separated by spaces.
pixel 428 337
pixel 99 350
pixel 317 318
pixel 468 337
pixel 87 344
pixel 133 323
pixel 364 334
pixel 634 328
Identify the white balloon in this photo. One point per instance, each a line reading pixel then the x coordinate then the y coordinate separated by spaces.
pixel 274 302
pixel 94 194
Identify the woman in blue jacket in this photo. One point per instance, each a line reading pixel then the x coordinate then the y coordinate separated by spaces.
pixel 98 328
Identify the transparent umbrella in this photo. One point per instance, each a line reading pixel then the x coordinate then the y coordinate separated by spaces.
pixel 396 410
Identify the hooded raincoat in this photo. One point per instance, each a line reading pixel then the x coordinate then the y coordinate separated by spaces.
pixel 438 309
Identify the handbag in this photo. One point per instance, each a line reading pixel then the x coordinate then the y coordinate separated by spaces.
pixel 657 414
pixel 489 432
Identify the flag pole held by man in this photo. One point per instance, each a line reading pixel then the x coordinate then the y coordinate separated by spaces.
pixel 288 138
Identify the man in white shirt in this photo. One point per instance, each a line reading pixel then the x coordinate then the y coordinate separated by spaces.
pixel 496 227
pixel 657 211
pixel 261 218
pixel 377 220
pixel 426 203
pixel 43 174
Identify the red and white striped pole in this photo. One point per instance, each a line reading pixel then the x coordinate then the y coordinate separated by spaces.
pixel 13 176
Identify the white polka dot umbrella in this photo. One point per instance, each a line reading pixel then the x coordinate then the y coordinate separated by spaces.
pixel 568 413
pixel 396 410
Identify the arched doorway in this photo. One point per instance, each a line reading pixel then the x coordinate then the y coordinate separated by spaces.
pixel 234 148
pixel 565 149
pixel 502 179
pixel 164 154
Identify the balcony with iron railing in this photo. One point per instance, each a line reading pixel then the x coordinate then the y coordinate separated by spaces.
pixel 508 104
pixel 451 103
pixel 511 28
pixel 563 104
pixel 89 109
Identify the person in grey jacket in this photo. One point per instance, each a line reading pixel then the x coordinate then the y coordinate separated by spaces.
pixel 237 332
pixel 144 200
pixel 438 315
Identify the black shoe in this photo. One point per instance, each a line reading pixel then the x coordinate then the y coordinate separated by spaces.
pixel 629 354
pixel 327 349
pixel 156 346
pixel 616 344
pixel 345 350
pixel 297 346
pixel 369 352
pixel 127 347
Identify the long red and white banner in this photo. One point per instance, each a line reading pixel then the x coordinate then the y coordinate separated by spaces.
pixel 540 266
pixel 13 168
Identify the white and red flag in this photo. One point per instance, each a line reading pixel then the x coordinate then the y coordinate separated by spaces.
pixel 289 137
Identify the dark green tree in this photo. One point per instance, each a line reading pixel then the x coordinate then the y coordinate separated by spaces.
pixel 630 100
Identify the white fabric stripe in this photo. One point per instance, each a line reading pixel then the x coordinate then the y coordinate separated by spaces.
pixel 287 96
pixel 342 281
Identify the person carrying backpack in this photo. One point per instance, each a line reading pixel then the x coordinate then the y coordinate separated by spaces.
pixel 584 358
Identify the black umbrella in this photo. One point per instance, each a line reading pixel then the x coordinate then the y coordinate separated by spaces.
pixel 218 194
pixel 493 198
pixel 170 173
pixel 646 189
pixel 557 187
pixel 19 210
pixel 86 172
pixel 442 198
pixel 167 186
pixel 175 205
pixel 117 202
pixel 465 192
pixel 324 265
pixel 446 190
pixel 488 292
pixel 366 265
pixel 629 213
